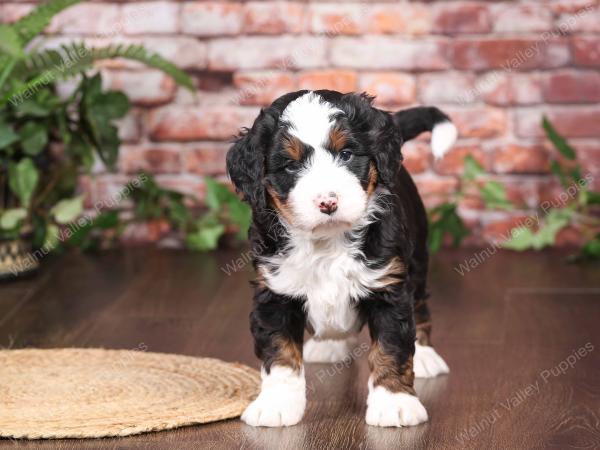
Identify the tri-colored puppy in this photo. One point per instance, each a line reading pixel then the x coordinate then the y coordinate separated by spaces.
pixel 339 240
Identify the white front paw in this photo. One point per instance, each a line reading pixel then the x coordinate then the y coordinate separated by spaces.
pixel 281 401
pixel 427 363
pixel 328 350
pixel 388 409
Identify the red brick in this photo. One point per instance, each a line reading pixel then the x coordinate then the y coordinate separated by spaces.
pixel 273 17
pixel 499 230
pixel 129 127
pixel 337 80
pixel 152 158
pixel 571 6
pixel 12 12
pixel 100 19
pixel 569 237
pixel 453 162
pixel 187 184
pixel 586 21
pixel 510 18
pixel 417 156
pixel 520 159
pixel 108 191
pixel 572 87
pixel 446 87
pixel 188 123
pixel 336 19
pixel 509 54
pixel 211 18
pixel 586 51
pixel 406 18
pixel 379 52
pixel 150 17
pixel 525 89
pixel 146 87
pixel 186 52
pixel 207 158
pixel 261 88
pixel 435 190
pixel 260 52
pixel 571 122
pixel 479 122
pixel 389 88
pixel 461 17
pixel 148 232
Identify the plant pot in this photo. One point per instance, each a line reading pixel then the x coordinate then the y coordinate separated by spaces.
pixel 16 258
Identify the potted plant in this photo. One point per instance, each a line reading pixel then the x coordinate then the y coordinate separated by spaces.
pixel 47 141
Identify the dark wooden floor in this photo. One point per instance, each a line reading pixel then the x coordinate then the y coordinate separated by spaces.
pixel 504 328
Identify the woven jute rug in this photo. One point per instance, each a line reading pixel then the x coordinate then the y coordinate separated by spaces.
pixel 90 393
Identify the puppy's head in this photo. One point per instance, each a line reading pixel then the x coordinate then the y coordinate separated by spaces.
pixel 316 158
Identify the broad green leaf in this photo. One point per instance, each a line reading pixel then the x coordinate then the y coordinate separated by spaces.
pixel 51 239
pixel 206 238
pixel 240 214
pixel 436 236
pixel 23 179
pixel 522 238
pixel 494 195
pixel 67 210
pixel 34 138
pixel 557 170
pixel 472 168
pixel 217 194
pixel 559 142
pixel 32 108
pixel 10 218
pixel 7 135
pixel 590 250
pixel 593 198
pixel 109 106
pixel 10 43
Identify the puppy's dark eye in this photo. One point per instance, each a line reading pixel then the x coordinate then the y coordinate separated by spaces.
pixel 346 155
pixel 292 168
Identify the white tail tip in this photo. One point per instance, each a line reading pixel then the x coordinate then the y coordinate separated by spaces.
pixel 443 137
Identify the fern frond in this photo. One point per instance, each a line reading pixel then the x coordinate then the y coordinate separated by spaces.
pixel 34 23
pixel 44 67
pixel 150 59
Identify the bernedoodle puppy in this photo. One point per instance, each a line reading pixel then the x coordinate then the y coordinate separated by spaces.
pixel 339 240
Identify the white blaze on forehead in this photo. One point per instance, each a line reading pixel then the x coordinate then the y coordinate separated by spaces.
pixel 310 119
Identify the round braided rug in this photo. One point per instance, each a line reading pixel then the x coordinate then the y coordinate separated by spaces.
pixel 90 393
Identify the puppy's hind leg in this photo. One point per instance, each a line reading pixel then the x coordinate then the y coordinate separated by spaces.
pixel 427 362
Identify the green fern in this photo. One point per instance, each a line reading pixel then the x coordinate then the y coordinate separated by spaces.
pixel 34 23
pixel 46 66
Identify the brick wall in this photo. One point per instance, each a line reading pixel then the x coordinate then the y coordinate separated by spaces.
pixel 494 66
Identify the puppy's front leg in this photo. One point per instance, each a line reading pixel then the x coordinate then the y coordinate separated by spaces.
pixel 392 399
pixel 277 324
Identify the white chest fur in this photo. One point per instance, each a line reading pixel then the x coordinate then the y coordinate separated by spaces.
pixel 330 278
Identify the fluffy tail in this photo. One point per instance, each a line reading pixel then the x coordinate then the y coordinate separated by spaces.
pixel 415 121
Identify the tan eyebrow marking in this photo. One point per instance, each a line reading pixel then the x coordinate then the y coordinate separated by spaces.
pixel 337 139
pixel 293 146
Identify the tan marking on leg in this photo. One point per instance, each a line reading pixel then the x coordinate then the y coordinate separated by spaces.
pixel 289 353
pixel 386 372
pixel 424 333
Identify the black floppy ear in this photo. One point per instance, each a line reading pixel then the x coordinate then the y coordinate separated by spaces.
pixel 246 162
pixel 387 155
